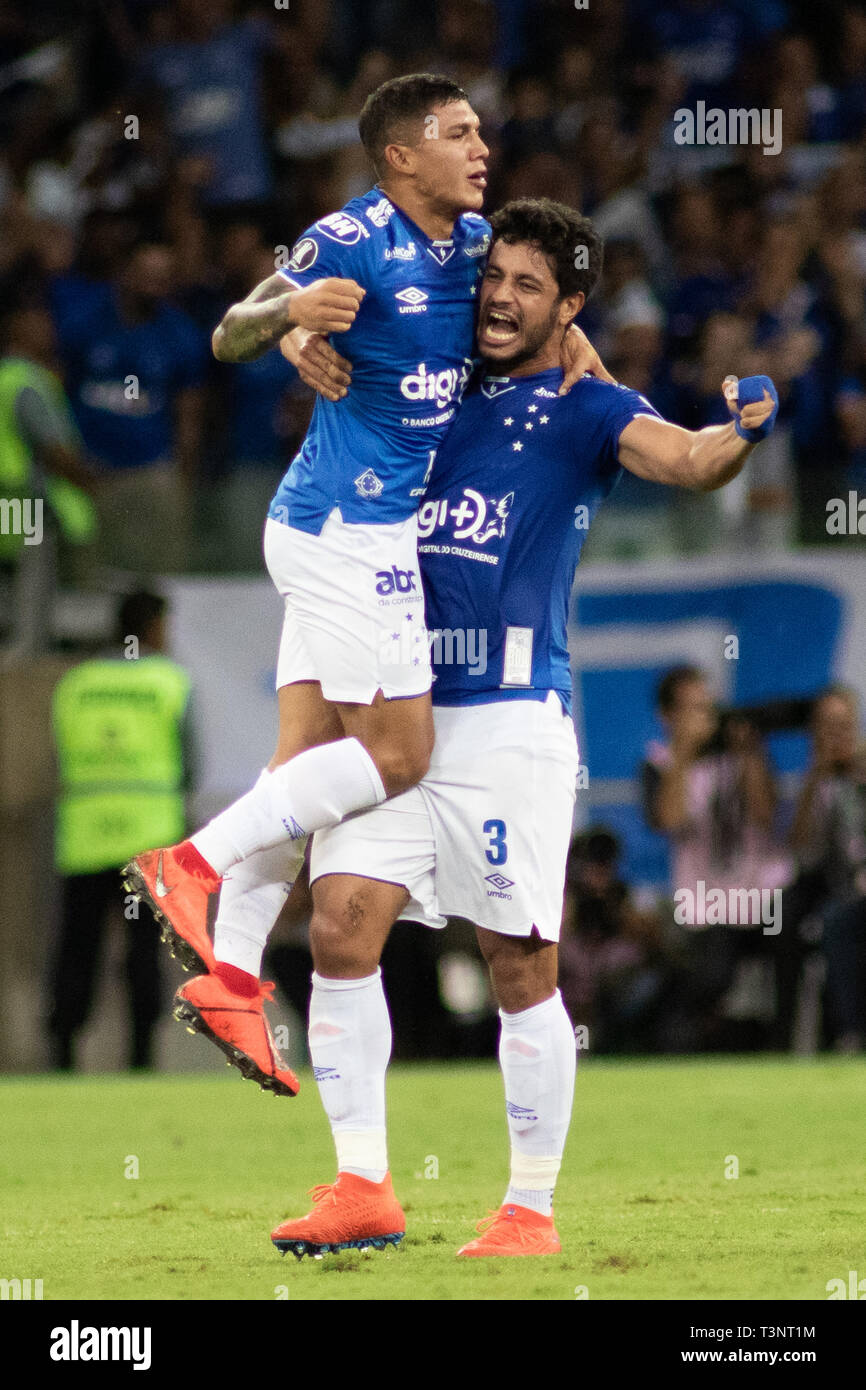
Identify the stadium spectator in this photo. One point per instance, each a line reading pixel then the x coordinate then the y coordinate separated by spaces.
pixel 266 412
pixel 207 71
pixel 829 837
pixel 121 730
pixel 43 470
pixel 135 371
pixel 613 970
pixel 710 789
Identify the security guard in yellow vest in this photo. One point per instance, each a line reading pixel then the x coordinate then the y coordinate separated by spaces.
pixel 121 731
pixel 41 454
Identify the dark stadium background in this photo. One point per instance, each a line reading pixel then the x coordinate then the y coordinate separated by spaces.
pixel 719 259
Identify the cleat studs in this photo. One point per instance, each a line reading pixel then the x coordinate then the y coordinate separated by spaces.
pixel 190 1030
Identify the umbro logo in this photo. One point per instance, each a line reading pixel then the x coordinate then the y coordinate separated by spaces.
pixel 520 1112
pixel 412 300
pixel 499 881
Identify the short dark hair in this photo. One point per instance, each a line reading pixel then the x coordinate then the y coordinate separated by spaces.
pixel 393 109
pixel 668 686
pixel 136 613
pixel 558 232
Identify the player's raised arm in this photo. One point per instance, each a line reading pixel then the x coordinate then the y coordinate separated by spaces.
pixel 256 324
pixel 702 459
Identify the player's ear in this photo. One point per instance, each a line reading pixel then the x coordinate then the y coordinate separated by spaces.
pixel 399 159
pixel 571 307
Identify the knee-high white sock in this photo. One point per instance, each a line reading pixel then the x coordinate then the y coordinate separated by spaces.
pixel 350 1046
pixel 251 899
pixel 314 790
pixel 538 1059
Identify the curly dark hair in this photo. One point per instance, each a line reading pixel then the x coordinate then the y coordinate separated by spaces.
pixel 393 109
pixel 561 234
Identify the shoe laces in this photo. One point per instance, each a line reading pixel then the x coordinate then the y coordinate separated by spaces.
pixel 484 1225
pixel 322 1192
pixel 493 1219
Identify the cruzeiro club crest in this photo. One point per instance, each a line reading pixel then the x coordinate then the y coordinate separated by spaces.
pixel 368 485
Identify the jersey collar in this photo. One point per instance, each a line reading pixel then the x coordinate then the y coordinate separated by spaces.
pixel 493 386
pixel 440 250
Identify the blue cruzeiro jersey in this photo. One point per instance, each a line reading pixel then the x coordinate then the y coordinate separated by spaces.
pixel 411 348
pixel 513 490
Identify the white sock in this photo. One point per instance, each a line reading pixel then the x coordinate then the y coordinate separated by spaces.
pixel 538 1059
pixel 350 1046
pixel 314 790
pixel 251 899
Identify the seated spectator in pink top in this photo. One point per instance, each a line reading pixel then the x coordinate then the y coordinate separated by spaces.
pixel 710 789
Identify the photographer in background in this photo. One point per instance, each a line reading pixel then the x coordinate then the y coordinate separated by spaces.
pixel 828 836
pixel 614 972
pixel 710 789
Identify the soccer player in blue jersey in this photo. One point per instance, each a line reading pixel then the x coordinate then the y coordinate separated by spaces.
pixel 484 836
pixel 395 273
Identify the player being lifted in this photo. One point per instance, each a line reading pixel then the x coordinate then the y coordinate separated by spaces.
pixel 485 835
pixel 396 274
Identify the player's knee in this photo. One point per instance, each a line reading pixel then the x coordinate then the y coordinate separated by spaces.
pixel 339 944
pixel 520 981
pixel 402 767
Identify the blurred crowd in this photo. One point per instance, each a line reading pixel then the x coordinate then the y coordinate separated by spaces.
pixel 159 157
pixel 761 940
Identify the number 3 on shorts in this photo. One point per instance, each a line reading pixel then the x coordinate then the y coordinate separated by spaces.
pixel 497 853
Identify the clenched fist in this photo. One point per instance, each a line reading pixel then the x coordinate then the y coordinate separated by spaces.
pixel 326 306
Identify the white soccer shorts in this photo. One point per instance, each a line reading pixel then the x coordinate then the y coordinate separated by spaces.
pixel 354 609
pixel 485 836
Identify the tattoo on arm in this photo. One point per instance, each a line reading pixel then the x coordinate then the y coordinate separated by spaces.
pixel 256 324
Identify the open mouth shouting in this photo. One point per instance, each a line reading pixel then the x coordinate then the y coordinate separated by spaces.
pixel 500 329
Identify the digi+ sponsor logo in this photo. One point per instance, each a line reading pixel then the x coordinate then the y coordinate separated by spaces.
pixel 444 388
pixel 474 518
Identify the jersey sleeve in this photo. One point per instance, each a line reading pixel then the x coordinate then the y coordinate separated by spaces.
pixel 333 246
pixel 626 406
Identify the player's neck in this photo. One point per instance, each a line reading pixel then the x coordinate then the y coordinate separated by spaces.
pixel 545 360
pixel 435 221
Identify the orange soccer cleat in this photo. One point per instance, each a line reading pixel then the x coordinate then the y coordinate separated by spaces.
pixel 176 884
pixel 349 1214
pixel 237 1024
pixel 514 1230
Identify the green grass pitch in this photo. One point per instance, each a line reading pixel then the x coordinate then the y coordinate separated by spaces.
pixel 644 1207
